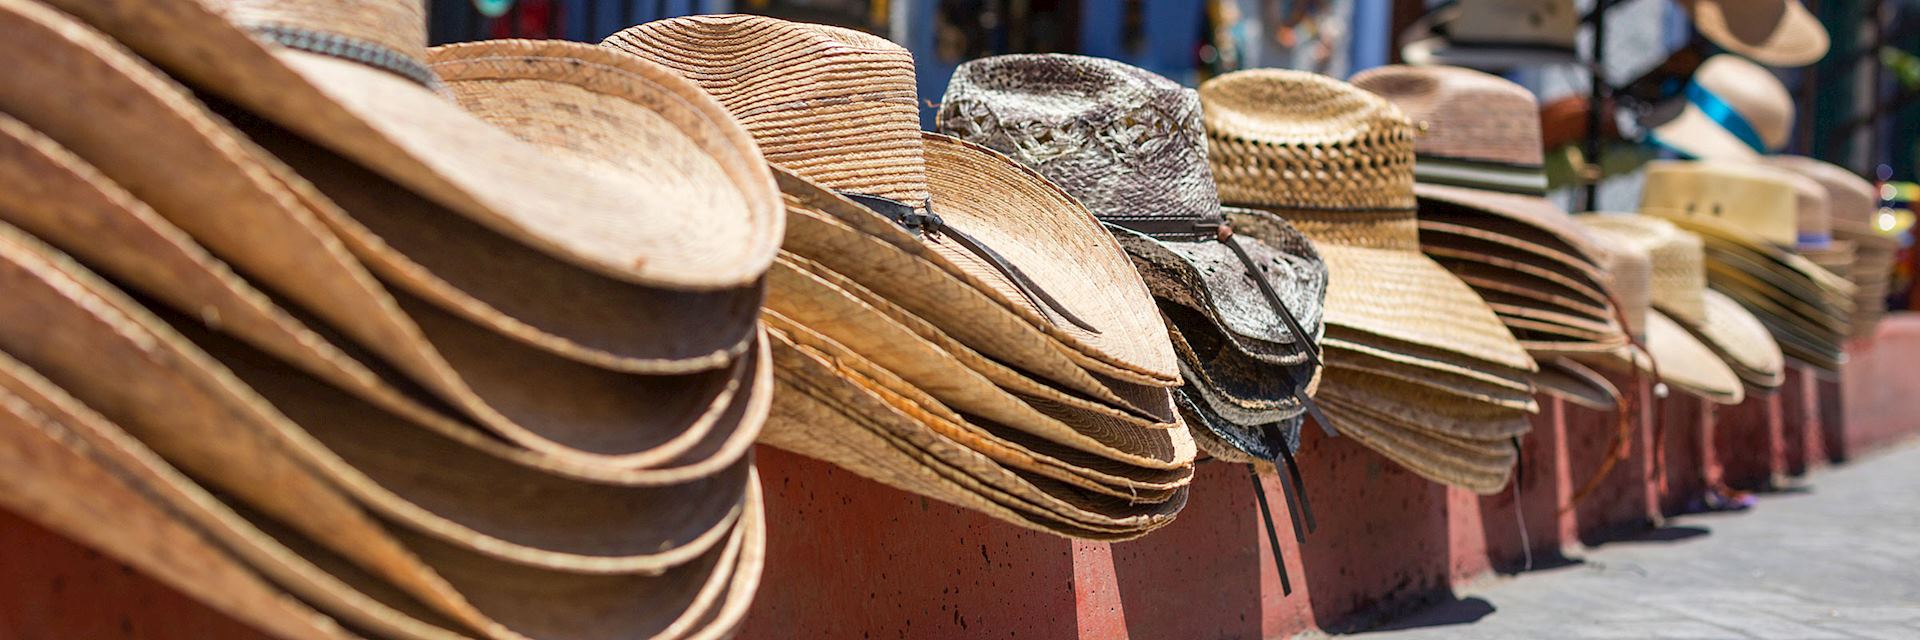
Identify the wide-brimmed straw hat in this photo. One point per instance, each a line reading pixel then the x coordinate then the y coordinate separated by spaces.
pixel 1404 337
pixel 1747 218
pixel 1337 163
pixel 333 477
pixel 1852 203
pixel 1776 33
pixel 1677 290
pixel 1494 34
pixel 1483 212
pixel 837 108
pixel 269 224
pixel 1130 145
pixel 1675 352
pixel 1732 109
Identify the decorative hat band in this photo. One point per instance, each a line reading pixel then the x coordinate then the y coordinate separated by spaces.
pixel 350 49
pixel 1812 240
pixel 1524 179
pixel 1720 111
pixel 923 222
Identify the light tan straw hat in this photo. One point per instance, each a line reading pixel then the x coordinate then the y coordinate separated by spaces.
pixel 269 224
pixel 1776 33
pixel 838 108
pixel 1677 288
pixel 1852 203
pixel 351 77
pixel 1337 163
pixel 443 538
pixel 1733 109
pixel 1479 175
pixel 1747 218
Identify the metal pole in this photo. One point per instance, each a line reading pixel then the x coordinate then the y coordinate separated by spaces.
pixel 1596 101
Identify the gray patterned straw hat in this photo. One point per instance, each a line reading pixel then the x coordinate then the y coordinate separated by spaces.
pixel 1130 145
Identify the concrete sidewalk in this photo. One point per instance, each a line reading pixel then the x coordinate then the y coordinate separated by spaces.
pixel 1836 558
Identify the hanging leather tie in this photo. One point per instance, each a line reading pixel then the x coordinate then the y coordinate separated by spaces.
pixel 1519 515
pixel 1297 497
pixel 929 225
pixel 1273 536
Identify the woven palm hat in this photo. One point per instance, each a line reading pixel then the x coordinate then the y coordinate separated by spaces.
pixel 1478 173
pixel 1460 444
pixel 1733 110
pixel 1494 34
pixel 1129 144
pixel 838 108
pixel 268 224
pixel 1337 162
pixel 861 417
pixel 1776 33
pixel 351 76
pixel 214 417
pixel 1678 290
pixel 1570 380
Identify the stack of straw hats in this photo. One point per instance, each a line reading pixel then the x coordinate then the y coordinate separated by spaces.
pixel 379 360
pixel 1852 204
pixel 1484 215
pixel 1747 217
pixel 944 320
pixel 1418 367
pixel 1700 341
pixel 1244 315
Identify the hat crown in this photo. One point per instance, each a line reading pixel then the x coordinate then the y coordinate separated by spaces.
pixel 1629 268
pixel 1678 282
pixel 1747 200
pixel 1126 142
pixel 1331 157
pixel 1752 92
pixel 1462 114
pixel 1850 198
pixel 397 26
pixel 1814 222
pixel 1515 22
pixel 836 106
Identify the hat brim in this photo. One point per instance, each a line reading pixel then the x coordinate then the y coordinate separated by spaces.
pixel 1575 383
pixel 1207 277
pixel 1058 244
pixel 1741 340
pixel 1481 467
pixel 1687 364
pixel 1405 296
pixel 1237 388
pixel 1229 441
pixel 417 138
pixel 1789 37
pixel 1529 223
pixel 910 275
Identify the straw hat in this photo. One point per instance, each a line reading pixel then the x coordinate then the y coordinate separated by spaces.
pixel 288 451
pixel 1776 33
pixel 1852 203
pixel 1677 290
pixel 803 90
pixel 1574 382
pixel 1734 110
pixel 269 224
pixel 351 76
pixel 1337 163
pixel 1419 365
pixel 1747 218
pixel 1478 174
pixel 1083 121
pixel 1494 34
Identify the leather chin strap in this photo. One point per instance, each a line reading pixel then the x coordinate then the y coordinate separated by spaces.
pixel 924 223
pixel 1273 537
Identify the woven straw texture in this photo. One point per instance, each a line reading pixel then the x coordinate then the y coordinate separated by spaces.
pixel 1689 365
pixel 1462 113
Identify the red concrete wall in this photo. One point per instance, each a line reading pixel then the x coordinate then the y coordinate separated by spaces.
pixel 849 558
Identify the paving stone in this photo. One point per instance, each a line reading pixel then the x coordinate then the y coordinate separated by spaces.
pixel 1838 560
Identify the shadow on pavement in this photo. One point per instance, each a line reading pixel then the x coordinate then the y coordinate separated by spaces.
pixel 1444 614
pixel 1677 533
